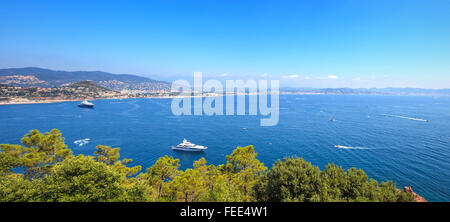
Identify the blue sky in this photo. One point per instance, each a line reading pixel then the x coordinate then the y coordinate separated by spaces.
pixel 317 43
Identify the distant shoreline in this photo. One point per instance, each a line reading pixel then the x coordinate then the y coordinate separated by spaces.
pixel 36 102
pixel 172 97
pixel 75 100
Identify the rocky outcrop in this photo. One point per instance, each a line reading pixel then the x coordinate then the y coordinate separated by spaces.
pixel 417 198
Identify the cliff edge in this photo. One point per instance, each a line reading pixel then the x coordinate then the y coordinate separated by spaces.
pixel 417 198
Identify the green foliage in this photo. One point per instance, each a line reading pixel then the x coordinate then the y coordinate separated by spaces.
pixel 110 156
pixel 44 169
pixel 161 174
pixel 39 152
pixel 294 179
pixel 14 187
pixel 106 154
pixel 83 179
pixel 7 162
pixel 243 171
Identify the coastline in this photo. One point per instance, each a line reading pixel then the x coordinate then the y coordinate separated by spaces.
pixel 35 102
pixel 24 102
pixel 75 100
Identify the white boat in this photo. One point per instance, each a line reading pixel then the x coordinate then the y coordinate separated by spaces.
pixel 86 104
pixel 82 142
pixel 342 147
pixel 188 146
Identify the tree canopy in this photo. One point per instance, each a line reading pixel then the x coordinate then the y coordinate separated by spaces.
pixel 294 179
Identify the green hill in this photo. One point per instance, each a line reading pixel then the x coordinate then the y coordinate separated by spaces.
pixel 38 77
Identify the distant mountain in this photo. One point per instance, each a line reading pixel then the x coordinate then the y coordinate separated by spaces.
pixel 38 77
pixel 412 91
pixel 368 91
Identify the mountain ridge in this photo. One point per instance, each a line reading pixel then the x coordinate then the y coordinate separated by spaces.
pixel 41 77
pixel 367 91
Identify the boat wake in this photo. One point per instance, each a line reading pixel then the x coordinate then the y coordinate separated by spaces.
pixel 351 147
pixel 82 142
pixel 410 118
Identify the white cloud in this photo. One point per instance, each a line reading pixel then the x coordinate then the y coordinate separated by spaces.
pixel 290 77
pixel 307 77
pixel 333 77
pixel 224 75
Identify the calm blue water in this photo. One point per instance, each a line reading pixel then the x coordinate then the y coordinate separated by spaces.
pixel 407 151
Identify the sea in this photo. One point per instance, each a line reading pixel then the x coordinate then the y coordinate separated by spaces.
pixel 405 139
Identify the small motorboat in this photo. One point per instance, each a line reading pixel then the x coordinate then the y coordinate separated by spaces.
pixel 82 142
pixel 342 147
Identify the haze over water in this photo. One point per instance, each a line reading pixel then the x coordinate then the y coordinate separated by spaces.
pixel 386 136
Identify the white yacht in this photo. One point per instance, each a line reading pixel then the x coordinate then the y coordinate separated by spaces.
pixel 86 104
pixel 188 146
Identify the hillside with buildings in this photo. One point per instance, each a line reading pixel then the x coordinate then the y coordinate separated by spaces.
pixel 70 92
pixel 46 78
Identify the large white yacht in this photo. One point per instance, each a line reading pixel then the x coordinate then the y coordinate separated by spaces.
pixel 188 146
pixel 86 104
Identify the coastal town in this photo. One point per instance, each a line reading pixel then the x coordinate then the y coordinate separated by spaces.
pixel 68 92
pixel 37 85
